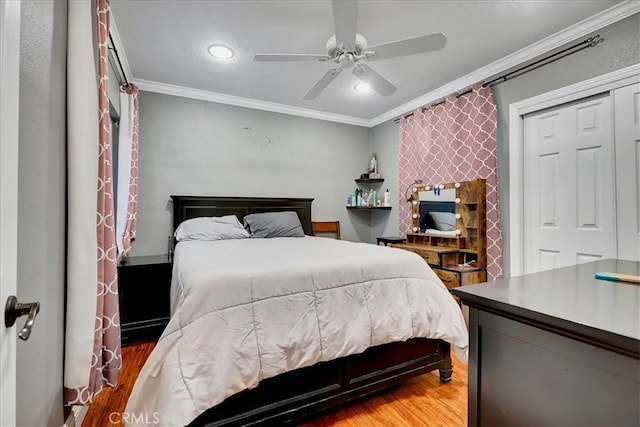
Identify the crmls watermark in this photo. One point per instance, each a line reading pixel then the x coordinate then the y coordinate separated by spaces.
pixel 143 418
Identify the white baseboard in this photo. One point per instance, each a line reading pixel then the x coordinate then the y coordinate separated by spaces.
pixel 76 416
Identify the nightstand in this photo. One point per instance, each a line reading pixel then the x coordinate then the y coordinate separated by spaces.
pixel 143 288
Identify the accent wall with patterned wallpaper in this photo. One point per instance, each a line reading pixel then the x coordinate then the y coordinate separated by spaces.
pixel 451 142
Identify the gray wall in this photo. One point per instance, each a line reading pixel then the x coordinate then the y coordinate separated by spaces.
pixel 384 141
pixel 192 147
pixel 620 49
pixel 41 209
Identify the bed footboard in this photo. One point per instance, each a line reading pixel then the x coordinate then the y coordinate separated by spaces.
pixel 303 393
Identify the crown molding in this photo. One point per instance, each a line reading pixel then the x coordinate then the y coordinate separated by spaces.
pixel 186 92
pixel 581 29
pixel 587 26
pixel 221 98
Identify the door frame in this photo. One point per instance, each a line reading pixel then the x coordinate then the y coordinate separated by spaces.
pixel 9 125
pixel 517 110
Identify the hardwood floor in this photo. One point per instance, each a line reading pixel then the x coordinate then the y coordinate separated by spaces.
pixel 421 401
pixel 107 408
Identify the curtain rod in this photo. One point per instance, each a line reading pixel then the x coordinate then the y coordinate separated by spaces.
pixel 435 104
pixel 115 52
pixel 590 42
pixel 587 43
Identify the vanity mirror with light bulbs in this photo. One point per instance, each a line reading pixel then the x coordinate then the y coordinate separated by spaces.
pixel 449 230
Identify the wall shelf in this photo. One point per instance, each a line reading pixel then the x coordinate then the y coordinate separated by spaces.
pixel 364 182
pixel 365 208
pixel 369 181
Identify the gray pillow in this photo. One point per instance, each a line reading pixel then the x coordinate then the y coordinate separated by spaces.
pixel 444 221
pixel 274 224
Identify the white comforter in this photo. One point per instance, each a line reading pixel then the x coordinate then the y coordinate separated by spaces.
pixel 249 309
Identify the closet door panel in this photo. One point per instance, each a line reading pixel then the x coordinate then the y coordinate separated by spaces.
pixel 570 204
pixel 627 148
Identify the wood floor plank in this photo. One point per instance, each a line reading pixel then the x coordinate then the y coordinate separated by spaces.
pixel 420 401
pixel 108 406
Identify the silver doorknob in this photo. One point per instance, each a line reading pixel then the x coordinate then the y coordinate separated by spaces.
pixel 14 309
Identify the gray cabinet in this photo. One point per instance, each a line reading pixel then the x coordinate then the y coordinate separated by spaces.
pixel 555 348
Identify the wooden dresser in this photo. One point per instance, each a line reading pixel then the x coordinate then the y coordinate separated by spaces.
pixel 461 259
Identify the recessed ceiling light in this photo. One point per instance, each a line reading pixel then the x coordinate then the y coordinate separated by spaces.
pixel 220 51
pixel 362 87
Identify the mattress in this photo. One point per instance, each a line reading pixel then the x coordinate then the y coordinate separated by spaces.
pixel 248 309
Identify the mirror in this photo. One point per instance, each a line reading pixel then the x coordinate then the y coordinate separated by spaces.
pixel 434 209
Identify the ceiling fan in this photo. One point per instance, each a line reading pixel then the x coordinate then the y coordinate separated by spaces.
pixel 348 49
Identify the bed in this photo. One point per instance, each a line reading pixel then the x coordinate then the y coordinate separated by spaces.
pixel 183 373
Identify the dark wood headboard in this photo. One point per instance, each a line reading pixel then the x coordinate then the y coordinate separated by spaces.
pixel 187 207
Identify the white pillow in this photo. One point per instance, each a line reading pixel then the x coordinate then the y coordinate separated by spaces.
pixel 211 228
pixel 227 219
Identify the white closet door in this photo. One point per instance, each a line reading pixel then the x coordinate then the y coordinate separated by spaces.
pixel 627 146
pixel 569 185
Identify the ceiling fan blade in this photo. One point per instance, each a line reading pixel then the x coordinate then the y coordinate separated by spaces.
pixel 322 83
pixel 345 17
pixel 289 57
pixel 420 44
pixel 375 80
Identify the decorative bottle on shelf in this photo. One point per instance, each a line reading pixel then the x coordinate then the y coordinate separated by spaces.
pixel 373 166
pixel 387 198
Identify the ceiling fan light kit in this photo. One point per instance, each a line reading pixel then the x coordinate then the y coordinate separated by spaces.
pixel 348 49
pixel 362 87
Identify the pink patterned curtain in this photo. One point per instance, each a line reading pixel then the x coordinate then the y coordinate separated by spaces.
pixel 453 142
pixel 129 232
pixel 106 360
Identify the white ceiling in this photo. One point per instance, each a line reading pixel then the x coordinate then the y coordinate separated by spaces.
pixel 166 42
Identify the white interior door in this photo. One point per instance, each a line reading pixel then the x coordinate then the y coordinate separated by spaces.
pixel 9 84
pixel 627 148
pixel 569 185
